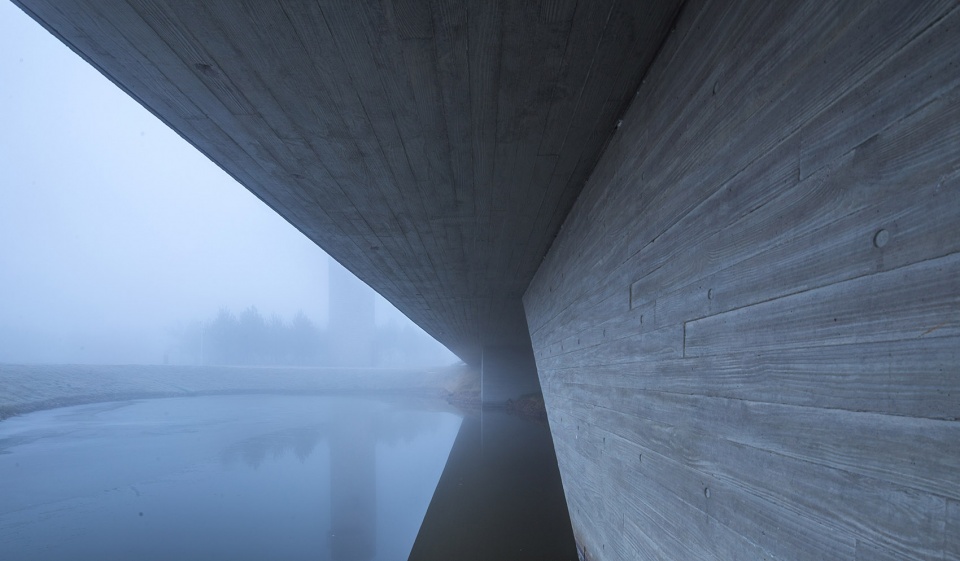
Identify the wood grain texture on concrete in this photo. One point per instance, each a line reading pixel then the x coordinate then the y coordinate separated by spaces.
pixel 747 330
pixel 431 147
pixel 733 228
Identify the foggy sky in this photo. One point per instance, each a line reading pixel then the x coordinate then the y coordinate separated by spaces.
pixel 113 229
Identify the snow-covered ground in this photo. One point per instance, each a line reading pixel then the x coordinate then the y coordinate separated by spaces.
pixel 25 388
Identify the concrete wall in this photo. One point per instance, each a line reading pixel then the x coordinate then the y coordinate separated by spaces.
pixel 748 330
pixel 507 373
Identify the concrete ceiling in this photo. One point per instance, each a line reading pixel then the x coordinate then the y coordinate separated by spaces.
pixel 433 148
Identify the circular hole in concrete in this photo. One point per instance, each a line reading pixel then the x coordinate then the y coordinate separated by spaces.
pixel 881 238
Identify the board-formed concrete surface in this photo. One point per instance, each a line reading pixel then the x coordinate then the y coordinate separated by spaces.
pixel 431 148
pixel 748 326
pixel 748 330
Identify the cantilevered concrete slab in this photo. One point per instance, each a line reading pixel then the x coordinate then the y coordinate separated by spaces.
pixel 431 148
pixel 747 330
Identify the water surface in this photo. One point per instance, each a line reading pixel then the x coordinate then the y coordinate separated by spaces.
pixel 221 477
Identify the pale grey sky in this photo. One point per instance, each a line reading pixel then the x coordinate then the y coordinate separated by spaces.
pixel 113 228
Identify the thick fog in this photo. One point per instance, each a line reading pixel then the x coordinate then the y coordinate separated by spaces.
pixel 120 243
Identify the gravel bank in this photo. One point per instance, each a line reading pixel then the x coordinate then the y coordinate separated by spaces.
pixel 25 388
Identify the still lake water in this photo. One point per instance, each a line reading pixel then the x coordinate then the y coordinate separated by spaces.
pixel 279 477
pixel 221 477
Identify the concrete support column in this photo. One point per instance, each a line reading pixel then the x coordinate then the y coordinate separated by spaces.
pixel 507 372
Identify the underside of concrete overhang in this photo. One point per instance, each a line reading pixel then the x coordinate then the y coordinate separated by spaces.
pixel 432 148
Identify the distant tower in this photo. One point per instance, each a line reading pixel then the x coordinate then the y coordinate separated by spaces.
pixel 351 319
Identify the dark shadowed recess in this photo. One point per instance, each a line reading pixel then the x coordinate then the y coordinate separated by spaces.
pixel 500 496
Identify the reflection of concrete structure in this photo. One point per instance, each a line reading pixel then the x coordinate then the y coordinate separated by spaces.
pixel 351 325
pixel 747 329
pixel 500 496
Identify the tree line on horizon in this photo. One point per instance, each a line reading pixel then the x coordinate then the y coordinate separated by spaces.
pixel 251 339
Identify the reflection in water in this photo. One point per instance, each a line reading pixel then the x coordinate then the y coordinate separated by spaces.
pixel 352 434
pixel 241 477
pixel 253 451
pixel 353 490
pixel 500 497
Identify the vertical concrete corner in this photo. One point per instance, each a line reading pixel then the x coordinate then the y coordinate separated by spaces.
pixel 507 372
